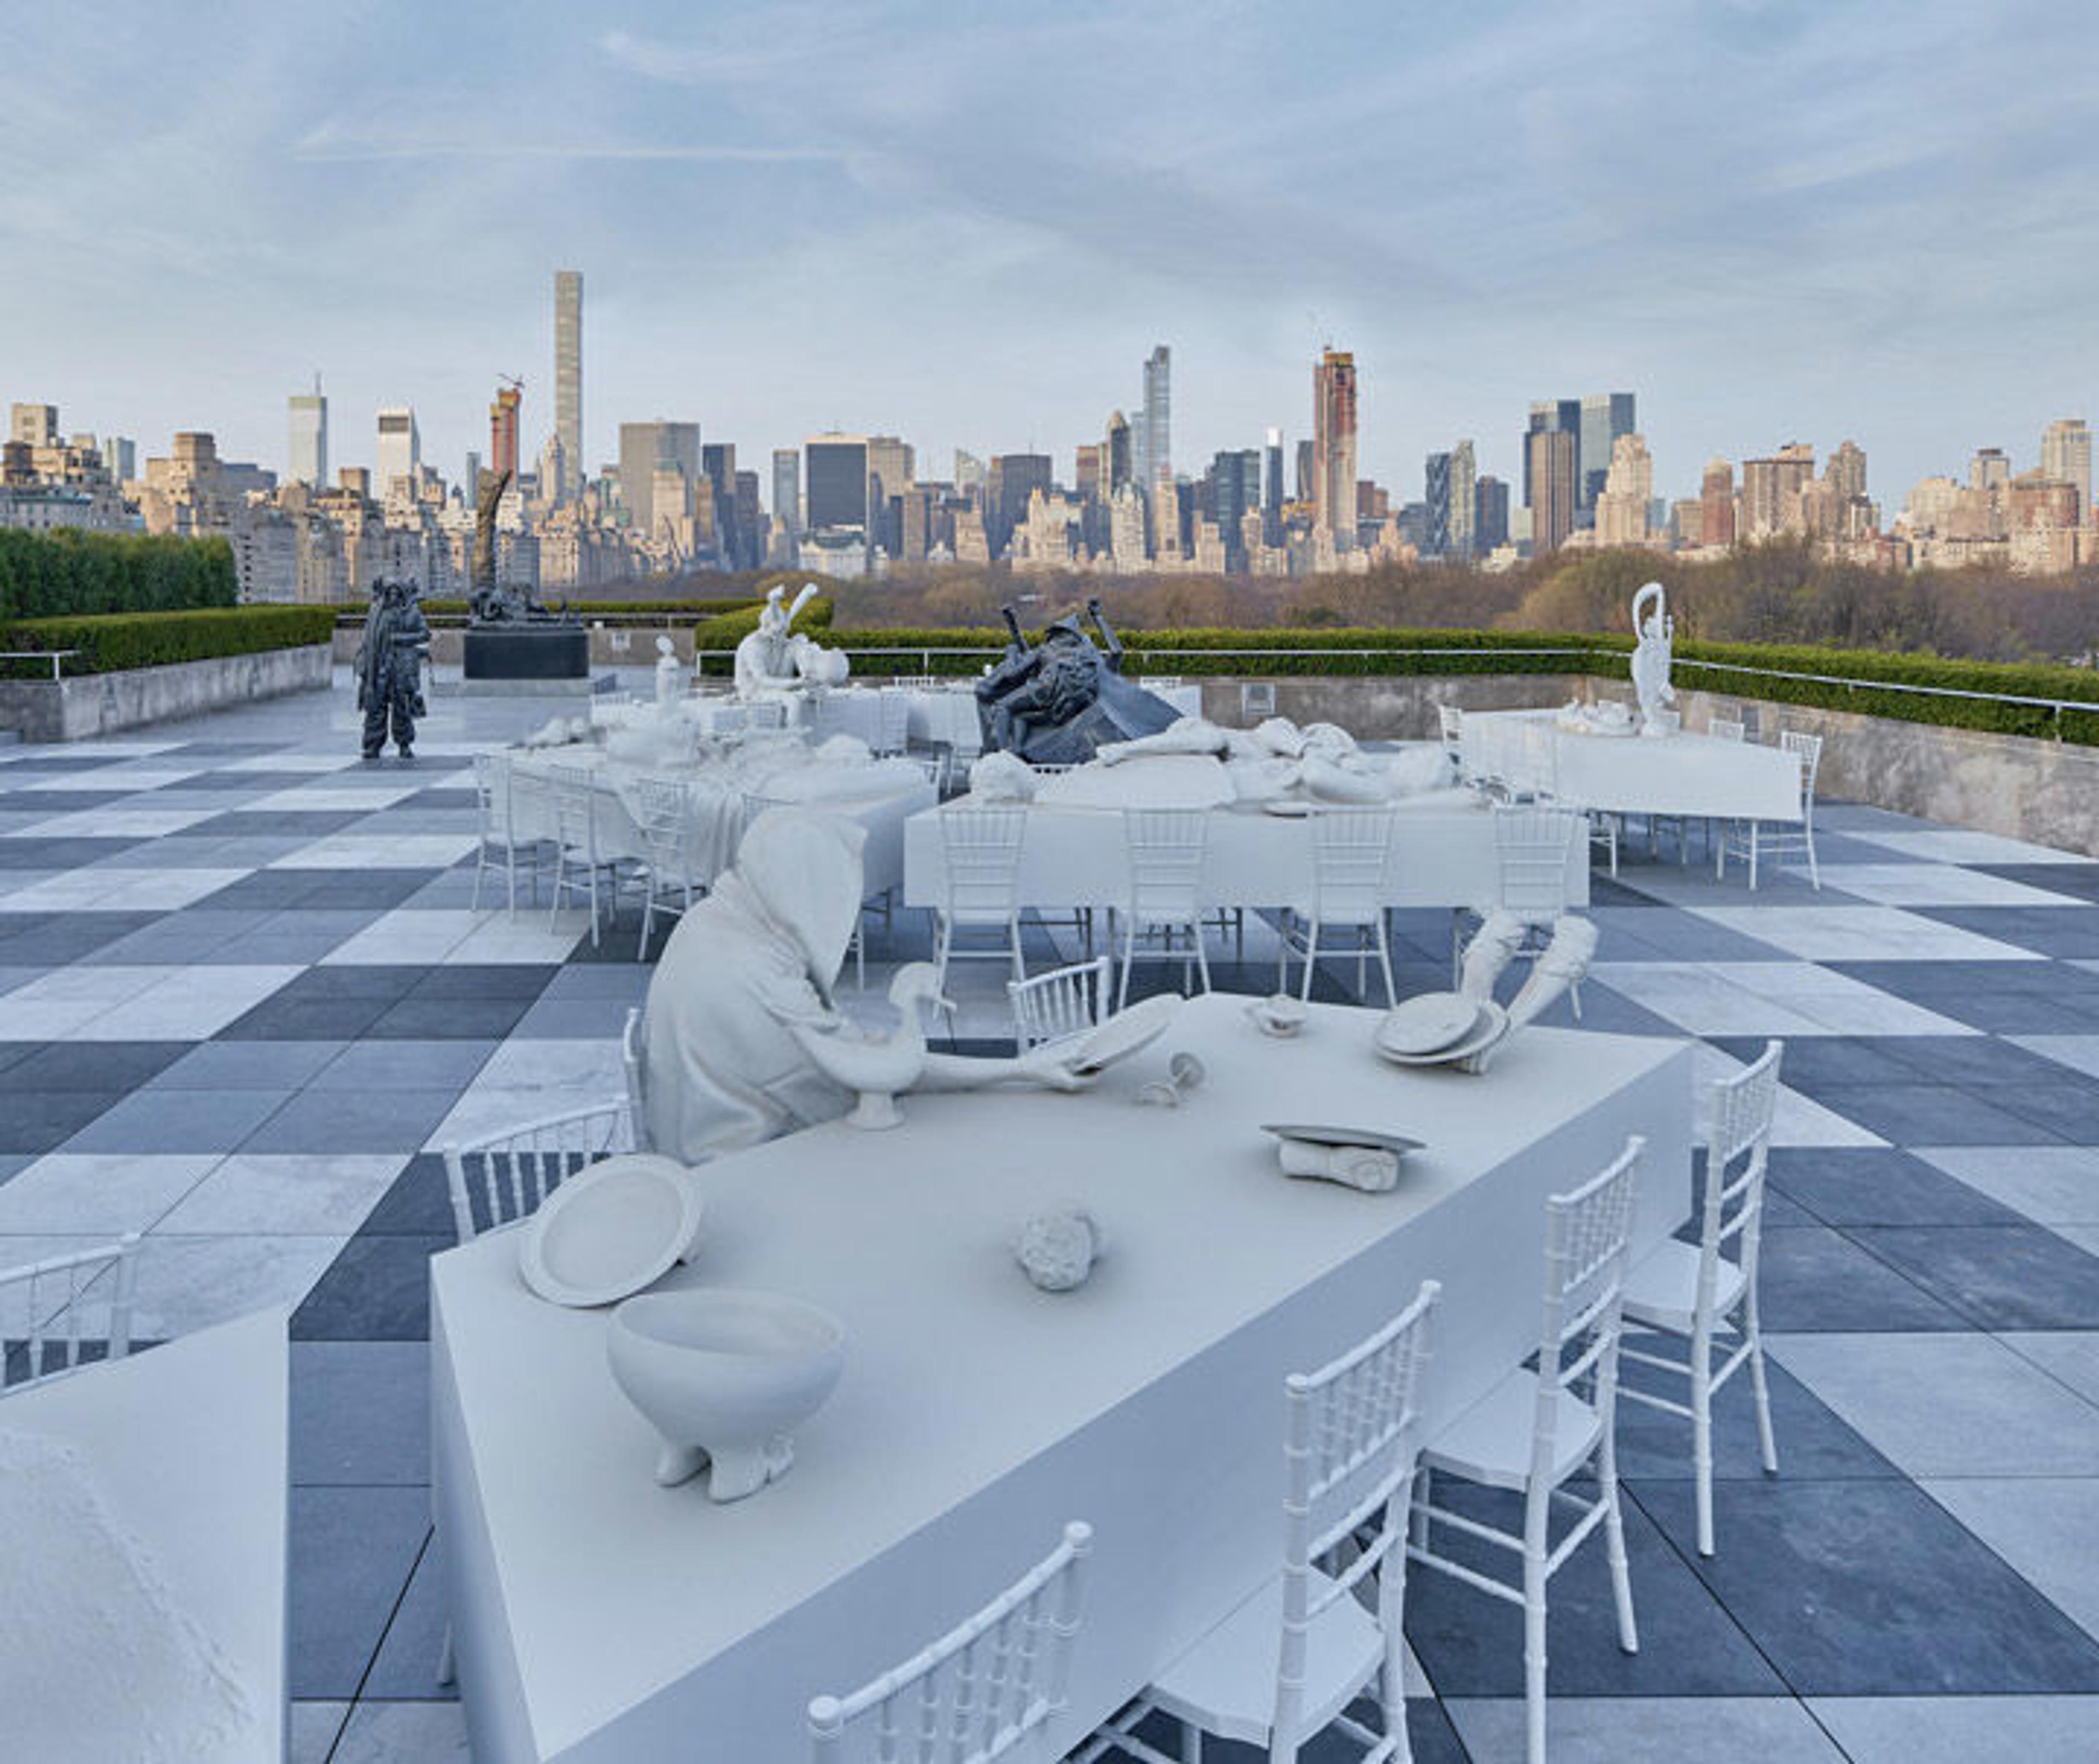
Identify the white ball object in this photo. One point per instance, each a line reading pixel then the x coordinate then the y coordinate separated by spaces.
pixel 1056 1248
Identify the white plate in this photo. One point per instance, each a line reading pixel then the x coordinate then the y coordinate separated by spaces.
pixel 1346 1136
pixel 1428 1023
pixel 1492 1027
pixel 1125 1032
pixel 1285 805
pixel 611 1229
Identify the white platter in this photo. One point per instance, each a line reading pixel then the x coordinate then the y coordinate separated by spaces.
pixel 1428 1024
pixel 1126 1032
pixel 1493 1025
pixel 610 1231
pixel 1368 1137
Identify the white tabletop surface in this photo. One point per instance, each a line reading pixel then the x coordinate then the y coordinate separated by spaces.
pixel 1440 856
pixel 1679 774
pixel 602 1617
pixel 188 1445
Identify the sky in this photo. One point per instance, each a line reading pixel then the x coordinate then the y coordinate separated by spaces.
pixel 969 224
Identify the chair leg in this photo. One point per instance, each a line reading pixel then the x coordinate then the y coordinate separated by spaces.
pixel 1753 857
pixel 1202 958
pixel 1614 1544
pixel 1533 1651
pixel 1191 1743
pixel 447 1660
pixel 1766 1440
pixel 1814 873
pixel 1311 957
pixel 480 863
pixel 1384 965
pixel 1702 1436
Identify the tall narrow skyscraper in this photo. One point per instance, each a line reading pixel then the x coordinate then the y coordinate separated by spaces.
pixel 1334 446
pixel 400 449
pixel 307 461
pixel 2066 455
pixel 1271 502
pixel 1464 479
pixel 787 489
pixel 504 414
pixel 569 380
pixel 1158 418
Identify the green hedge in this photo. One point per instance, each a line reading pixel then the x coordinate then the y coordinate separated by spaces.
pixel 110 642
pixel 441 611
pixel 70 572
pixel 1849 678
pixel 725 631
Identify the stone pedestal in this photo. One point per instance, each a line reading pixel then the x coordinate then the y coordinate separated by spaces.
pixel 527 652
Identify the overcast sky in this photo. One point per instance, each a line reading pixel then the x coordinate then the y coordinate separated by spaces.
pixel 968 224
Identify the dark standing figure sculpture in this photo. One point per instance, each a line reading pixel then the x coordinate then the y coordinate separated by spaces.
pixel 390 666
pixel 1055 702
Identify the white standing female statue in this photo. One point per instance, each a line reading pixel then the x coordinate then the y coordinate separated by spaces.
pixel 1656 630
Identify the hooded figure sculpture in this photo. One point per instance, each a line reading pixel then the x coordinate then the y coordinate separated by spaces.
pixel 390 667
pixel 754 960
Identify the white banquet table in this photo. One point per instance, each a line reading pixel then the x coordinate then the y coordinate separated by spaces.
pixel 186 1443
pixel 598 1617
pixel 1677 774
pixel 1075 857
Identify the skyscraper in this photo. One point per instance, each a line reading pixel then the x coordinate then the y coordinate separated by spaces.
pixel 2065 456
pixel 1014 477
pixel 504 413
pixel 567 382
pixel 1549 456
pixel 1604 417
pixel 1464 475
pixel 644 448
pixel 400 449
pixel 787 488
pixel 835 474
pixel 1334 446
pixel 1716 503
pixel 1435 505
pixel 1271 502
pixel 1491 513
pixel 306 461
pixel 1121 465
pixel 1845 472
pixel 1158 418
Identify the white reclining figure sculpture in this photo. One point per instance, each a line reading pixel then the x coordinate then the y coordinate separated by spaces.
pixel 752 965
pixel 1563 962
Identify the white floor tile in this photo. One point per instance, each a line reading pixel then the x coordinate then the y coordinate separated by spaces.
pixel 272 1194
pixel 1648 1730
pixel 404 1733
pixel 1962 1730
pixel 187 1283
pixel 2080 1053
pixel 2052 1185
pixel 414 851
pixel 109 1193
pixel 1861 934
pixel 1961 845
pixel 410 935
pixel 1936 885
pixel 192 1005
pixel 2071 1355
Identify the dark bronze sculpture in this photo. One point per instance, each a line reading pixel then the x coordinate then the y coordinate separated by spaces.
pixel 511 635
pixel 490 604
pixel 390 666
pixel 1055 702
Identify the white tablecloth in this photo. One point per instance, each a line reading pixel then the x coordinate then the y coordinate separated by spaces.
pixel 1680 774
pixel 601 1618
pixel 1073 857
pixel 723 805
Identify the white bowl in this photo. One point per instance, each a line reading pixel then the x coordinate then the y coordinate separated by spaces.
pixel 725 1377
pixel 1277 1014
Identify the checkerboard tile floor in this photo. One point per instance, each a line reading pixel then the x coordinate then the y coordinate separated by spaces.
pixel 243 995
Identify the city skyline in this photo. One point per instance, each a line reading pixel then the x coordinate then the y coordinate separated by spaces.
pixel 968 231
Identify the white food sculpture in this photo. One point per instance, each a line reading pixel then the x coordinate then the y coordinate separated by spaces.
pixel 878 1068
pixel 1056 1247
pixel 1656 630
pixel 670 680
pixel 725 1377
pixel 1565 961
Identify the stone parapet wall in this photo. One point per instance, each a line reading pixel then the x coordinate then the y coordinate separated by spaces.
pixel 610 646
pixel 101 704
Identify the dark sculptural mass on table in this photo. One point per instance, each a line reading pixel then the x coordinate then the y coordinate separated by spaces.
pixel 1055 702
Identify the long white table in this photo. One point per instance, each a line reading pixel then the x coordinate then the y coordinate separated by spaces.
pixel 598 1617
pixel 186 1444
pixel 1678 774
pixel 1075 857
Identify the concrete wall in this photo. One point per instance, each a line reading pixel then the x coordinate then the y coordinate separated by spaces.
pixel 2014 784
pixel 101 704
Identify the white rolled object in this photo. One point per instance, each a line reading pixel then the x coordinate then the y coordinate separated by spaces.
pixel 999 777
pixel 1056 1248
pixel 1369 1167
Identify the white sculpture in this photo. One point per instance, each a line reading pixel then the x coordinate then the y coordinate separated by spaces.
pixel 753 962
pixel 1372 1168
pixel 1656 630
pixel 765 665
pixel 999 777
pixel 670 678
pixel 1056 1247
pixel 725 1376
pixel 1565 961
pixel 878 1068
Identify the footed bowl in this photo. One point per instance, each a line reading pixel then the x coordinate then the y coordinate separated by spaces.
pixel 725 1377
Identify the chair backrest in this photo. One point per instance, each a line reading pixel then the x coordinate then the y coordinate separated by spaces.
pixel 1350 850
pixel 728 719
pixel 574 793
pixel 1538 770
pixel 980 848
pixel 48 1310
pixel 491 794
pixel 1808 750
pixel 1352 1435
pixel 1165 850
pixel 634 1062
pixel 1737 1149
pixel 893 722
pixel 663 810
pixel 1059 1004
pixel 1586 1233
pixel 766 713
pixel 1531 843
pixel 1725 729
pixel 985 1689
pixel 507 1176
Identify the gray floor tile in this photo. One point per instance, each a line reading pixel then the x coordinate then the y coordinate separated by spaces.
pixel 311 1735
pixel 317 1121
pixel 406 1669
pixel 405 1733
pixel 2018 1275
pixel 1870 1185
pixel 178 1120
pixel 351 1552
pixel 2071 1356
pixel 2054 1184
pixel 407 1066
pixel 279 1066
pixel 1962 1730
pixel 1902 1393
pixel 361 1413
pixel 1816 1278
pixel 1649 1730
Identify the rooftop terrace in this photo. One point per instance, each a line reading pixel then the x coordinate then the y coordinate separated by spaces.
pixel 243 997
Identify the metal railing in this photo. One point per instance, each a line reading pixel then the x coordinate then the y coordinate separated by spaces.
pixel 53 656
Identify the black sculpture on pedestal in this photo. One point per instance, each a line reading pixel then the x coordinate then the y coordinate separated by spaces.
pixel 512 636
pixel 1055 702
pixel 390 666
